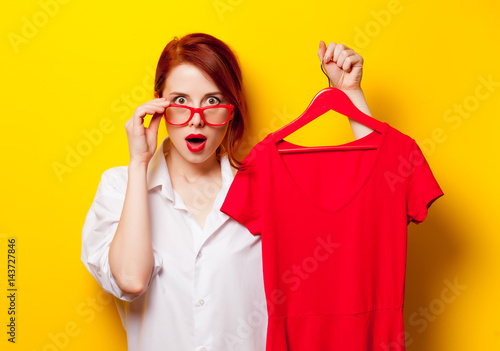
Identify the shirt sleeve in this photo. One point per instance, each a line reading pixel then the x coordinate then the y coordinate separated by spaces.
pixel 99 229
pixel 422 188
pixel 242 200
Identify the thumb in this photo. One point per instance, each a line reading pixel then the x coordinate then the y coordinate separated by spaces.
pixel 321 50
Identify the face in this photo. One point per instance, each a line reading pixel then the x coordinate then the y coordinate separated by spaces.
pixel 188 85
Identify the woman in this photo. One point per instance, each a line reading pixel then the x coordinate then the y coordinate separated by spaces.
pixel 186 276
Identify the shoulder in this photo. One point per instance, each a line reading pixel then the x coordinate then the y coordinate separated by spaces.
pixel 114 179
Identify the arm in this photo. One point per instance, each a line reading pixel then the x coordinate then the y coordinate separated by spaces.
pixel 131 252
pixel 358 99
pixel 344 68
pixel 131 258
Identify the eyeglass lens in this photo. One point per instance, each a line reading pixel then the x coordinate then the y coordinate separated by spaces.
pixel 180 115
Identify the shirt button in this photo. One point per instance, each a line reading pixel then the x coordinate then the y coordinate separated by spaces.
pixel 199 255
pixel 204 349
pixel 202 302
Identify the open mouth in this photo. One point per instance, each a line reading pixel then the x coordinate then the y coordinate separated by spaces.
pixel 196 142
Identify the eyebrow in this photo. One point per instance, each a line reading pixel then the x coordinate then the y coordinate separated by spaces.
pixel 181 93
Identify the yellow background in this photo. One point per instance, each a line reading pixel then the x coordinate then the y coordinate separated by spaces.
pixel 72 67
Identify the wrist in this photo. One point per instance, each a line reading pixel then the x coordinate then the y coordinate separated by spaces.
pixel 355 95
pixel 356 92
pixel 357 98
pixel 137 167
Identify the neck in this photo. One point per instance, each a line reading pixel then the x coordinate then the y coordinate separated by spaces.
pixel 178 166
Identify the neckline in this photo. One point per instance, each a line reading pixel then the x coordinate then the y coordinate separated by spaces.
pixel 306 196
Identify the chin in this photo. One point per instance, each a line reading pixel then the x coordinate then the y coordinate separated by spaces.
pixel 200 156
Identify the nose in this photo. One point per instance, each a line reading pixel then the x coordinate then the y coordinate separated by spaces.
pixel 197 121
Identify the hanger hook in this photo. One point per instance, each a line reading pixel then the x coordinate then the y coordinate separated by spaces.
pixel 325 73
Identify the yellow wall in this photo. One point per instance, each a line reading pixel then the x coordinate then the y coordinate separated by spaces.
pixel 72 67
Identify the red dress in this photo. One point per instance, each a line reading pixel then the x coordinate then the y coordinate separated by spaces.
pixel 333 226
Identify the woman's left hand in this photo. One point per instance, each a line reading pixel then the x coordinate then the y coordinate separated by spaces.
pixel 343 66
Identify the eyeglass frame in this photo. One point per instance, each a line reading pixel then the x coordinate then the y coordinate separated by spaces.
pixel 199 110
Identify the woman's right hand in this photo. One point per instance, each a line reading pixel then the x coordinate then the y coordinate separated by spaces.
pixel 141 140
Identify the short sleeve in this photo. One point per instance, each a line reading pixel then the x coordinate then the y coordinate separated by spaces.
pixel 242 201
pixel 422 188
pixel 99 229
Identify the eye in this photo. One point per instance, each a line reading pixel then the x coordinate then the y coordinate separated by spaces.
pixel 180 100
pixel 212 100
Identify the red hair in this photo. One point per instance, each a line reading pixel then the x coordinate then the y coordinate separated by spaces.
pixel 215 58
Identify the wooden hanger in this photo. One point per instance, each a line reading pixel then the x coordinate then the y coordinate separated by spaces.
pixel 326 100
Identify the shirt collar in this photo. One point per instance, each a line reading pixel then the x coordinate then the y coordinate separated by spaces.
pixel 158 174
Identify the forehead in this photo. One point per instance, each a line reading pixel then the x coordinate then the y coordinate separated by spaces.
pixel 189 79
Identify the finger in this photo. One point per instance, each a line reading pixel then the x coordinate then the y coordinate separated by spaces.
pixel 152 131
pixel 338 50
pixel 356 60
pixel 329 52
pixel 347 65
pixel 342 56
pixel 321 50
pixel 155 122
pixel 157 107
pixel 137 121
pixel 142 111
pixel 150 108
pixel 159 102
pixel 351 61
pixel 160 107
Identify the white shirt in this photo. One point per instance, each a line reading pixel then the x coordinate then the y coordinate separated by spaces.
pixel 206 291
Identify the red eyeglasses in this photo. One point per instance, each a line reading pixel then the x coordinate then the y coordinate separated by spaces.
pixel 216 115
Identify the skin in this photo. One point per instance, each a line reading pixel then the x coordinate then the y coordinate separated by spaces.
pixel 344 67
pixel 196 177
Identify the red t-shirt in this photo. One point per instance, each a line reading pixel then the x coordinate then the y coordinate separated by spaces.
pixel 333 226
